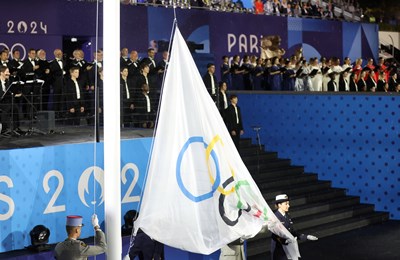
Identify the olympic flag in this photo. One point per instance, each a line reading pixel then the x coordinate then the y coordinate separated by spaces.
pixel 199 195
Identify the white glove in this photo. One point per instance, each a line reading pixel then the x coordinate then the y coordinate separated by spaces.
pixel 126 257
pixel 313 238
pixel 288 241
pixel 95 221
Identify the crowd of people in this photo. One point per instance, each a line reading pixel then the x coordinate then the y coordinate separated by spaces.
pixel 294 8
pixel 298 74
pixel 73 88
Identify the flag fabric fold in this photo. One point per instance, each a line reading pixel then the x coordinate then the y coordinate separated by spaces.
pixel 199 195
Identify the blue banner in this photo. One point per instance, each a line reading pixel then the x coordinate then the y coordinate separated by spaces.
pixel 43 185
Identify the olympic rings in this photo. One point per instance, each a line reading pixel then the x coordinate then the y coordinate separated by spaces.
pixel 196 139
pixel 210 148
pixel 241 205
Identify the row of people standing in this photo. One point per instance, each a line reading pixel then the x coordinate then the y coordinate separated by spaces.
pixel 59 89
pixel 140 87
pixel 227 104
pixel 49 81
pixel 296 74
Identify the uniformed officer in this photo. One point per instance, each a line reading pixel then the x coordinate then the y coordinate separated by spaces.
pixel 278 243
pixel 72 248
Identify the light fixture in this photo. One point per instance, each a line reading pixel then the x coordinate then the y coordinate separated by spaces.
pixel 39 238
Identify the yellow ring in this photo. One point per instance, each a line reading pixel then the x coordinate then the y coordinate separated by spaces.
pixel 210 147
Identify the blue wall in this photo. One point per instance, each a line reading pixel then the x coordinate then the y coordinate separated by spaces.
pixel 43 185
pixel 353 140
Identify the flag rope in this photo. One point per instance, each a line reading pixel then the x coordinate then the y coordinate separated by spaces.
pixel 95 136
pixel 132 238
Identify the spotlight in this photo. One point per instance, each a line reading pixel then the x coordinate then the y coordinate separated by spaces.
pixel 39 238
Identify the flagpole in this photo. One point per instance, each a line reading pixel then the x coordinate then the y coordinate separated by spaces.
pixel 112 158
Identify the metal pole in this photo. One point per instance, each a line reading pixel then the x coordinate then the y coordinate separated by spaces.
pixel 112 158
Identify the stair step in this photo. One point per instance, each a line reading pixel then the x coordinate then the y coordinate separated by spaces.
pixel 314 208
pixel 348 224
pixel 323 195
pixel 331 216
pixel 269 195
pixel 267 182
pixel 267 164
pixel 264 156
pixel 244 142
pixel 251 150
pixel 279 173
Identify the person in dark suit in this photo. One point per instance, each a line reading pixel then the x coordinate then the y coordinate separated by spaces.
pixel 133 66
pixel 4 57
pixel 9 112
pixel 30 65
pixel 15 64
pixel 382 85
pixel 353 83
pixel 149 61
pixel 361 84
pixel 79 61
pixel 332 85
pixel 210 81
pixel 343 82
pixel 127 94
pixel 143 78
pixel 226 71
pixel 43 73
pixel 161 67
pixel 223 101
pixel 393 83
pixel 145 108
pixel 371 82
pixel 277 243
pixel 57 72
pixel 123 60
pixel 95 65
pixel 236 73
pixel 234 120
pixel 74 97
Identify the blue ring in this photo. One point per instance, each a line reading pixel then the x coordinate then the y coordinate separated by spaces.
pixel 196 139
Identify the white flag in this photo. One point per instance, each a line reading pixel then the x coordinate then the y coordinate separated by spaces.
pixel 199 195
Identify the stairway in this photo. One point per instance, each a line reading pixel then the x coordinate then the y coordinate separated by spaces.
pixel 316 207
pixel 389 49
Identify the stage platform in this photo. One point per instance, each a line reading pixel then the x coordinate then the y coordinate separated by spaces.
pixel 66 135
